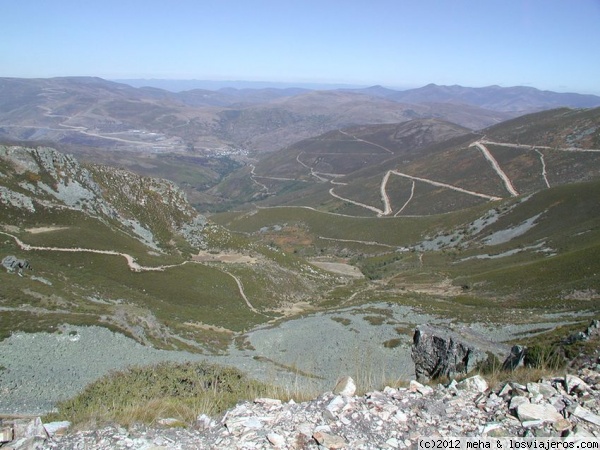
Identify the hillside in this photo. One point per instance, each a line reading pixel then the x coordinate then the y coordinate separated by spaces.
pixel 360 233
pixel 110 247
pixel 198 137
pixel 423 167
pixel 516 99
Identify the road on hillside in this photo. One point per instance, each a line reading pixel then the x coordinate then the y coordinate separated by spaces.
pixel 486 153
pixel 133 265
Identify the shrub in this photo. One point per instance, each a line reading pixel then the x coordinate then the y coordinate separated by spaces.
pixel 490 366
pixel 392 343
pixel 549 357
pixel 145 394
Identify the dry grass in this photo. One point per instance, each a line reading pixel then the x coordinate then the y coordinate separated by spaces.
pixel 522 375
pixel 167 390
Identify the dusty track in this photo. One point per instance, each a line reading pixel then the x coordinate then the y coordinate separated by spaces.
pixel 387 207
pixel 486 153
pixel 132 264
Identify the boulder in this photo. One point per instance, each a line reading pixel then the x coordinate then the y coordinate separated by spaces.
pixel 515 359
pixel 442 352
pixel 545 413
pixel 345 386
pixel 592 329
pixel 476 384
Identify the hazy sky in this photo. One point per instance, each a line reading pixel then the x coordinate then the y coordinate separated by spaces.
pixel 548 44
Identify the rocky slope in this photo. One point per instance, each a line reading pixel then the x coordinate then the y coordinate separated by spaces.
pixel 566 406
pixel 39 180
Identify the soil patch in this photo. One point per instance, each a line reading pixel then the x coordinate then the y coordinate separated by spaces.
pixel 226 257
pixel 44 229
pixel 339 268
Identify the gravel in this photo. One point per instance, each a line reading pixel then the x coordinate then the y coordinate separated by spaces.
pixel 37 370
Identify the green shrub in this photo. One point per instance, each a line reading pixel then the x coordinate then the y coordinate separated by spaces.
pixel 392 343
pixel 541 356
pixel 145 394
pixel 491 365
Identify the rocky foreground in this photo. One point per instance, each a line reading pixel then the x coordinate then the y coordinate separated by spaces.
pixel 390 419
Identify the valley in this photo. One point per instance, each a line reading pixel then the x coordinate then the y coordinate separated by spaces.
pixel 299 261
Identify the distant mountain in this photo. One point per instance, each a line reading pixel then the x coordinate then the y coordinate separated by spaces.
pixel 95 113
pixel 517 99
pixel 215 85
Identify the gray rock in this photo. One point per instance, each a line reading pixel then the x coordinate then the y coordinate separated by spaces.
pixel 515 359
pixel 438 352
pixel 585 414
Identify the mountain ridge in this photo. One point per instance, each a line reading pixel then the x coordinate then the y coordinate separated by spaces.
pixel 103 114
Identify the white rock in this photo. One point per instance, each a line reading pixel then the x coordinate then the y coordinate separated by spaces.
pixel 532 423
pixel 517 400
pixel 393 442
pixel 575 383
pixel 400 416
pixel 268 401
pixel 204 422
pixel 476 383
pixel 53 428
pixel 276 439
pixel 253 422
pixel 414 386
pixel 336 404
pixel 505 390
pixel 389 391
pixel 425 390
pixel 6 434
pixel 29 429
pixel 330 441
pixel 546 413
pixel 168 421
pixel 345 386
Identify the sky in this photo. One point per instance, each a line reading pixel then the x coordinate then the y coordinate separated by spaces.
pixel 547 44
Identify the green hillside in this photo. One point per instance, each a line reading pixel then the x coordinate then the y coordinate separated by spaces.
pixel 449 222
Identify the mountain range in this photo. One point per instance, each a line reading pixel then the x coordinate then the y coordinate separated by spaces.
pixel 95 112
pixel 191 220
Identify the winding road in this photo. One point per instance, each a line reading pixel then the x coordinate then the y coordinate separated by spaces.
pixel 133 265
pixel 544 174
pixel 387 208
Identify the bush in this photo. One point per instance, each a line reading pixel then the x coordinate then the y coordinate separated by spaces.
pixel 550 357
pixel 145 394
pixel 490 366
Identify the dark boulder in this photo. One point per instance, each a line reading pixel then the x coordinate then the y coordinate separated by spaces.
pixel 516 358
pixel 442 352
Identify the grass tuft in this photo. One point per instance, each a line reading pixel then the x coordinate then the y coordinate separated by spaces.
pixel 167 390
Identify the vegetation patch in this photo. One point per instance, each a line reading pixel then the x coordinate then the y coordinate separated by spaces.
pixel 166 390
pixel 375 320
pixel 392 343
pixel 342 320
